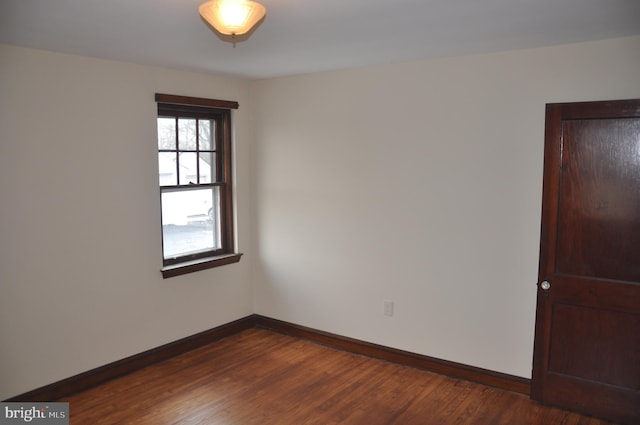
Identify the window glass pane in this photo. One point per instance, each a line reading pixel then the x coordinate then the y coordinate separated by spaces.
pixel 167 169
pixel 166 133
pixel 207 167
pixel 187 134
pixel 215 218
pixel 190 221
pixel 207 141
pixel 188 168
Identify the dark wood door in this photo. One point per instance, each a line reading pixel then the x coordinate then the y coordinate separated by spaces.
pixel 587 338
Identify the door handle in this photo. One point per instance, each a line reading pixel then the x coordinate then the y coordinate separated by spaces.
pixel 545 285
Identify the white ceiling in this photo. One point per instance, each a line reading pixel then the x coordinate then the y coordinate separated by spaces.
pixel 303 36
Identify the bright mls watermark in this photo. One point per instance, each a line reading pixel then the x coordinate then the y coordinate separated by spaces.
pixel 34 413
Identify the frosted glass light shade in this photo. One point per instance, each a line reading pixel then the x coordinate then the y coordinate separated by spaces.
pixel 232 17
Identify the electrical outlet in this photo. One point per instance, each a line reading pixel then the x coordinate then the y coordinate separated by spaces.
pixel 388 308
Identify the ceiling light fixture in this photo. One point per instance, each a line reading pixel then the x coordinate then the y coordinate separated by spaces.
pixel 232 17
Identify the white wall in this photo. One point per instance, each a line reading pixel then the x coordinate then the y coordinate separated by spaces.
pixel 418 183
pixel 80 244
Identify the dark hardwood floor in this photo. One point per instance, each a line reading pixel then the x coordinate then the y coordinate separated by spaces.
pixel 261 377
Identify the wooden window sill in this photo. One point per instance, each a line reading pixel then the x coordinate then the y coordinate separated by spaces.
pixel 200 264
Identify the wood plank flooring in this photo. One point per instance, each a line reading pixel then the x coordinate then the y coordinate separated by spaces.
pixel 261 377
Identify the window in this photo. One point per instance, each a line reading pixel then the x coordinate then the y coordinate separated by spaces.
pixel 194 174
